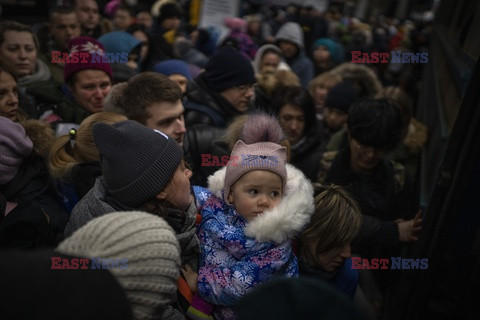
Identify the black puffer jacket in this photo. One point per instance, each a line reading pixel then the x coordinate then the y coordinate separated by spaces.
pixel 207 106
pixel 39 218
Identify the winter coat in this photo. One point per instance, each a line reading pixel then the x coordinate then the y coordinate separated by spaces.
pixel 204 139
pixel 307 153
pixel 300 64
pixel 206 106
pixel 39 218
pixel 383 196
pixel 238 255
pixel 344 279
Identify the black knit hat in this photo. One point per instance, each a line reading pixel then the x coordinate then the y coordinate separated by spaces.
pixel 228 68
pixel 137 162
pixel 341 96
pixel 170 10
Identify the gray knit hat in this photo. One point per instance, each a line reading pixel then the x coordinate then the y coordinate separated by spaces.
pixel 137 162
pixel 150 248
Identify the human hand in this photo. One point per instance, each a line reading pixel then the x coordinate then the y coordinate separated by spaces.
pixel 191 277
pixel 408 230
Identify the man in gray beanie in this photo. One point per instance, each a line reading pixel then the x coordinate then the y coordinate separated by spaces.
pixel 222 91
pixel 141 252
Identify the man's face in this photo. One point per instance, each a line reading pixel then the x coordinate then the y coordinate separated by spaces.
pixel 87 13
pixel 122 19
pixel 363 158
pixel 335 118
pixel 90 89
pixel 289 49
pixel 292 120
pixel 168 118
pixel 63 28
pixel 239 96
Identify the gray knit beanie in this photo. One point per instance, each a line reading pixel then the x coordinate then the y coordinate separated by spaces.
pixel 137 162
pixel 150 248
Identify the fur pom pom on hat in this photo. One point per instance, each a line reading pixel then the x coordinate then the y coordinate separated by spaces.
pixel 258 149
pixel 146 250
pixel 15 145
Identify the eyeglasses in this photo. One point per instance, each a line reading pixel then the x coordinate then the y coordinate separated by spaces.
pixel 246 87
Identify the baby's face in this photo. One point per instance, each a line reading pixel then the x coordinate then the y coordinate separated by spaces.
pixel 255 192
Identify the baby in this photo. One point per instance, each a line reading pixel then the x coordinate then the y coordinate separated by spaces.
pixel 252 210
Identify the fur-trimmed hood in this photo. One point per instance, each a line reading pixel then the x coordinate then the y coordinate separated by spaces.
pixel 286 220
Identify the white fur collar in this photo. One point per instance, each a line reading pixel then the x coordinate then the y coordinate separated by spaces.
pixel 284 221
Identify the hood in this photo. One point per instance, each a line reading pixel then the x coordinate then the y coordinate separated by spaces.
pixel 41 134
pixel 260 52
pixel 291 31
pixel 286 220
pixel 119 42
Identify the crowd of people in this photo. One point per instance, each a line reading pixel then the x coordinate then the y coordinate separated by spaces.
pixel 228 172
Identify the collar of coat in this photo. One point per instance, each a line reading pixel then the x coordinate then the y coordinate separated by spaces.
pixel 285 221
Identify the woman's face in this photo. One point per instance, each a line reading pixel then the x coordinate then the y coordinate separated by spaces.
pixel 332 259
pixel 8 96
pixel 270 62
pixel 19 50
pixel 178 189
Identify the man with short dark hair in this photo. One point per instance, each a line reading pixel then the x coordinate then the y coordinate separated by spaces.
pixel 89 17
pixel 155 101
pixel 223 91
pixel 63 26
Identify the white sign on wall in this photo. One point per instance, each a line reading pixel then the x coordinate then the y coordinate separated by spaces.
pixel 213 12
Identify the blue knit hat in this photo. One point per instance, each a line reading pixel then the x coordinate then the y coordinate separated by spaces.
pixel 173 66
pixel 228 68
pixel 335 49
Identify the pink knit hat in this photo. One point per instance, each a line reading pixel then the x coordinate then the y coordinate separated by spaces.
pixel 15 145
pixel 258 156
pixel 83 47
pixel 258 149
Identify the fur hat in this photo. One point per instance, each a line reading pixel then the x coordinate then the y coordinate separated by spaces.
pixel 87 45
pixel 15 145
pixel 147 253
pixel 137 162
pixel 258 149
pixel 228 68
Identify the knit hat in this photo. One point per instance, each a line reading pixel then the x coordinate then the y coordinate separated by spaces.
pixel 335 49
pixel 228 68
pixel 137 162
pixel 341 96
pixel 15 145
pixel 77 48
pixel 258 150
pixel 147 253
pixel 173 66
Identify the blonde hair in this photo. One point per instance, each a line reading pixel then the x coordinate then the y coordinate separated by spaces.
pixel 334 223
pixel 327 79
pixel 63 156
